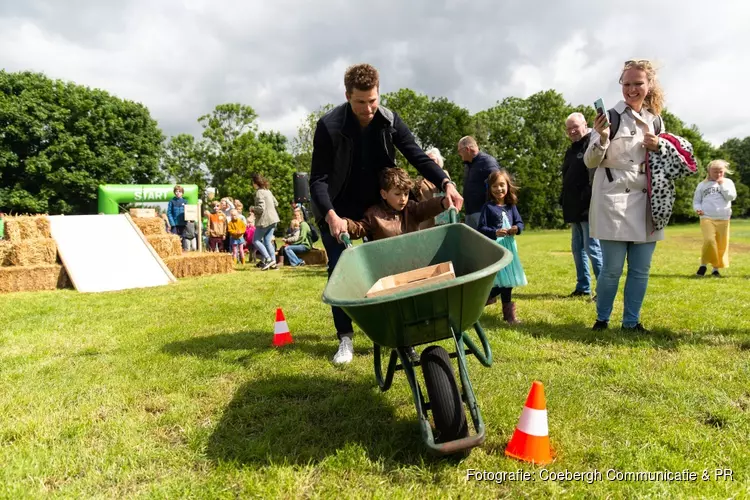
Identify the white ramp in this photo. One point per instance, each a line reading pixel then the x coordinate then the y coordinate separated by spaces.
pixel 102 253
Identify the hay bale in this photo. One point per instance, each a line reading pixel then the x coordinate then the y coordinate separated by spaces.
pixel 34 252
pixel 166 245
pixel 200 264
pixel 6 248
pixel 150 226
pixel 314 257
pixel 26 228
pixel 43 226
pixel 33 278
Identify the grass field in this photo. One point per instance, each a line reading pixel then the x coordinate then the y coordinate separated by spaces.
pixel 175 391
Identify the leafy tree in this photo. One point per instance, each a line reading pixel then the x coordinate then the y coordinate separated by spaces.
pixel 302 145
pixel 235 151
pixel 59 141
pixel 527 136
pixel 183 161
pixel 435 122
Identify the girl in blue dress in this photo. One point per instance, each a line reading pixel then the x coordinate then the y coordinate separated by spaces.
pixel 501 221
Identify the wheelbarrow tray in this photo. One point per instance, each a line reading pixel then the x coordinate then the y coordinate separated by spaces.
pixel 423 314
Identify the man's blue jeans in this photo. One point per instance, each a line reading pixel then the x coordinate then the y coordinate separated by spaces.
pixel 614 254
pixel 334 249
pixel 584 248
pixel 291 252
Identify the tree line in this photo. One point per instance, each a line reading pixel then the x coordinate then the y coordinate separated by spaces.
pixel 60 140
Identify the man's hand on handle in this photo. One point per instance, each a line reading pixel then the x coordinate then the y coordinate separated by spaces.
pixel 452 194
pixel 336 225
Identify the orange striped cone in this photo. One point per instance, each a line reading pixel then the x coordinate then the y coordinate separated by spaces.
pixel 281 333
pixel 530 442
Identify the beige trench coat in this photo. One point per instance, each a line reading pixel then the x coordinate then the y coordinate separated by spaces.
pixel 619 209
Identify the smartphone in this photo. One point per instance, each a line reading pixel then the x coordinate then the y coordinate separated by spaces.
pixel 600 109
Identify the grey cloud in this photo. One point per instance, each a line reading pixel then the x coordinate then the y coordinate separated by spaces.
pixel 182 58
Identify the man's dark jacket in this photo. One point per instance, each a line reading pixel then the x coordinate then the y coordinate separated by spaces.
pixel 576 184
pixel 333 158
pixel 476 173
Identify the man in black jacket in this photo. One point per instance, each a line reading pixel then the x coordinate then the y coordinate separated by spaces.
pixel 478 166
pixel 575 200
pixel 352 144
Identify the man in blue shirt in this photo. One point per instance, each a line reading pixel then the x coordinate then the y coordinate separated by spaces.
pixel 477 168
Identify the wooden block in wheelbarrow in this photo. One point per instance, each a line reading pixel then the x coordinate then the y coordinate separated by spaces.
pixel 412 279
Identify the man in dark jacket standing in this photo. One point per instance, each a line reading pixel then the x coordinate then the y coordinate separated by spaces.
pixel 478 166
pixel 575 199
pixel 352 144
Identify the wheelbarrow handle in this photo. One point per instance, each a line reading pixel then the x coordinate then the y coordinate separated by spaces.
pixel 344 237
pixel 452 215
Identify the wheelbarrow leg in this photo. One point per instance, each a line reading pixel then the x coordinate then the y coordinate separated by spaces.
pixel 484 357
pixel 419 403
pixel 384 384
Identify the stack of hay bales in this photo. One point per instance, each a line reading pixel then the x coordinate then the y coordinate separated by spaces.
pixel 28 257
pixel 169 248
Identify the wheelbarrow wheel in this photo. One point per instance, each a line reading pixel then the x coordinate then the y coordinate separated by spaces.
pixel 445 398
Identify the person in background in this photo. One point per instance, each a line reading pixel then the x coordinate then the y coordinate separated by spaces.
pixel 217 229
pixel 176 211
pixel 478 166
pixel 236 229
pixel 575 199
pixel 266 220
pixel 500 220
pixel 713 203
pixel 619 214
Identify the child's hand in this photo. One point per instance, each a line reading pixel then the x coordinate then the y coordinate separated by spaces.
pixel 513 230
pixel 501 232
pixel 699 212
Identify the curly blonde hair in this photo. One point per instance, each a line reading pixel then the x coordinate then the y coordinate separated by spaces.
pixel 654 101
pixel 361 77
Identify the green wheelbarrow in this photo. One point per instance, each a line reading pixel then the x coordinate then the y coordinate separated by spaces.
pixel 424 315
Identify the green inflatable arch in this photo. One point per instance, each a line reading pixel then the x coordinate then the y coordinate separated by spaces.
pixel 112 195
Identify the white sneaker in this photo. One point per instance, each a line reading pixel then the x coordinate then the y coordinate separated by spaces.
pixel 345 353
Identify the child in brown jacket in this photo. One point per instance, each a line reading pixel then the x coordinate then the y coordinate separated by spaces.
pixel 396 214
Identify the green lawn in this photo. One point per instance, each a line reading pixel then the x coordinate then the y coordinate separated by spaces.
pixel 175 391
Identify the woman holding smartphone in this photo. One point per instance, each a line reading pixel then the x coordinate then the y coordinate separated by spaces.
pixel 619 216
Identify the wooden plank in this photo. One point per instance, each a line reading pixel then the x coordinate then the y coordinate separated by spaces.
pixel 412 279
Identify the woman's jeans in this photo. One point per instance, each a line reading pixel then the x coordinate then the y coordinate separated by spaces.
pixel 614 254
pixel 291 252
pixel 263 242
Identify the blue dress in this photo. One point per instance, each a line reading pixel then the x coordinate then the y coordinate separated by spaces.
pixel 492 218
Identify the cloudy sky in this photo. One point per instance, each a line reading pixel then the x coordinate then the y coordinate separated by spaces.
pixel 286 58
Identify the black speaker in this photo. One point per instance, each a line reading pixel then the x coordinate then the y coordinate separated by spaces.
pixel 301 187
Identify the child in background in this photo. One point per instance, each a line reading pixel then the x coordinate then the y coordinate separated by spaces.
pixel 236 230
pixel 249 233
pixel 204 223
pixel 190 236
pixel 176 211
pixel 713 202
pixel 501 221
pixel 238 206
pixel 217 229
pixel 396 214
